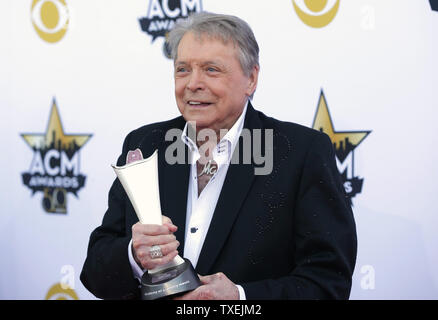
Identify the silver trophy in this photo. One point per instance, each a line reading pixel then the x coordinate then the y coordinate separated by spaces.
pixel 139 178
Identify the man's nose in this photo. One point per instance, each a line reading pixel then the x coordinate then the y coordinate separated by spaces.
pixel 196 81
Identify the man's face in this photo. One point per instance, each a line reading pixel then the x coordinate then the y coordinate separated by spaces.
pixel 210 86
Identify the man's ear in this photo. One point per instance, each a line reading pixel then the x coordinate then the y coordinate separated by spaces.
pixel 253 78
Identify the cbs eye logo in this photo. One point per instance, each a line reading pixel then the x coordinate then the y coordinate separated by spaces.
pixel 61 291
pixel 316 13
pixel 50 19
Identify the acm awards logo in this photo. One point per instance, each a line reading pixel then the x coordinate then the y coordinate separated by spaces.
pixel 50 19
pixel 54 170
pixel 344 143
pixel 316 13
pixel 162 16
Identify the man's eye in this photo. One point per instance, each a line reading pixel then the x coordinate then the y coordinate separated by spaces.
pixel 211 69
pixel 181 69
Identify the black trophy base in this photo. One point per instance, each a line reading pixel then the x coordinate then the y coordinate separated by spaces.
pixel 169 282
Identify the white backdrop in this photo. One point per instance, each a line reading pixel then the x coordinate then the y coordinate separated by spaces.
pixel 375 62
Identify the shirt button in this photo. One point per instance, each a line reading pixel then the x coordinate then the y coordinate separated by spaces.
pixel 193 230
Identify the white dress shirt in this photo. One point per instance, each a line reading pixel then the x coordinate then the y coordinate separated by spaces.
pixel 200 209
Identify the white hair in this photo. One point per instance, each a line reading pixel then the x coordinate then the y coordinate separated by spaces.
pixel 223 27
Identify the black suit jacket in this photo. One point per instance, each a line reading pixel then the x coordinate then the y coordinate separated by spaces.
pixel 287 235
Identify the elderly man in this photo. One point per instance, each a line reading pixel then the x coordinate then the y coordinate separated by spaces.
pixel 288 233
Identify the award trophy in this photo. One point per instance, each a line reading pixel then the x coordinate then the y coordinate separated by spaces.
pixel 139 178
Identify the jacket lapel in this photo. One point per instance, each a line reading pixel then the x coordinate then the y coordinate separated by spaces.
pixel 173 180
pixel 237 183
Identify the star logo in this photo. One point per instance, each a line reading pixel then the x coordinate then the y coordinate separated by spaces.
pixel 344 143
pixel 55 165
pixel 54 130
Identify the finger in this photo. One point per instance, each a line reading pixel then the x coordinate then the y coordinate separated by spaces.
pixel 206 279
pixel 136 227
pixel 148 263
pixel 204 292
pixel 188 296
pixel 139 241
pixel 172 228
pixel 149 229
pixel 185 296
pixel 144 258
pixel 159 240
pixel 155 229
pixel 168 223
pixel 167 220
pixel 170 247
pixel 192 295
pixel 153 263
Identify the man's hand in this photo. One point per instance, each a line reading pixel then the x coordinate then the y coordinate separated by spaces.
pixel 215 287
pixel 144 236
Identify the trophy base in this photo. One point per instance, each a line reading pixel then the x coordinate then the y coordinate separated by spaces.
pixel 169 282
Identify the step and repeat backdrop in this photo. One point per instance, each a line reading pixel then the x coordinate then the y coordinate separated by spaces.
pixel 76 76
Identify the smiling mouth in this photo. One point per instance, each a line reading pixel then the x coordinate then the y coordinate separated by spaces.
pixel 198 104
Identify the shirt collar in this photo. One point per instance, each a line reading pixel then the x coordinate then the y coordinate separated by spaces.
pixel 226 144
